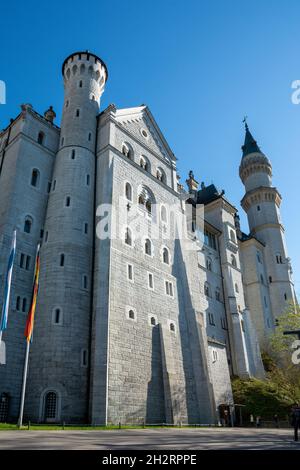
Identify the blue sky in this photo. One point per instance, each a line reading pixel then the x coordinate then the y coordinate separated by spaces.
pixel 199 66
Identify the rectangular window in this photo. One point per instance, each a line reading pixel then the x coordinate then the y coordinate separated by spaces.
pixel 169 288
pixel 49 187
pixel 22 260
pixel 130 272
pixel 27 266
pixel 211 319
pixel 86 228
pixel 150 281
pixel 210 239
pixel 24 305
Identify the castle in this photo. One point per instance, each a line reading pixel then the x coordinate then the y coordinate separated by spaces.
pixel 129 328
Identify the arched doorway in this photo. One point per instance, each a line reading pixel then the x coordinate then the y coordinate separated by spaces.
pixel 51 407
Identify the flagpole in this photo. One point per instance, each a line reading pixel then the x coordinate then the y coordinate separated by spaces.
pixel 20 420
pixel 28 341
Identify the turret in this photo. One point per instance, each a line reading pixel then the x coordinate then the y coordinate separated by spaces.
pixel 262 205
pixel 62 332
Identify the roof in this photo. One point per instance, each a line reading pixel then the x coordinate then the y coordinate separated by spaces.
pixel 208 194
pixel 250 144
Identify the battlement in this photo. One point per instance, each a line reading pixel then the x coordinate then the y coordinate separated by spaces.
pixel 71 62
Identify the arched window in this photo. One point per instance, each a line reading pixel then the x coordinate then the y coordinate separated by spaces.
pixel 127 151
pixel 233 261
pixel 50 406
pixel 153 321
pixel 41 137
pixel 28 224
pixel 172 327
pixel 57 316
pixel 209 264
pixel 163 214
pixel 148 206
pixel 35 177
pixel 236 288
pixel 131 315
pixel 80 84
pixel 165 256
pixel 148 247
pixel 128 237
pixel 128 191
pixel 160 175
pixel 144 163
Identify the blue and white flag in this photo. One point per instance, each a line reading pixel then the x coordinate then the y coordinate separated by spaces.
pixel 4 315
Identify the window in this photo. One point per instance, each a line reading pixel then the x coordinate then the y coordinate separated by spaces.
pixel 211 319
pixel 144 163
pixel 27 264
pixel 236 287
pixel 131 315
pixel 62 140
pixel 278 259
pixel 68 201
pixel 214 355
pixel 270 279
pixel 258 208
pixel 35 177
pixel 80 84
pixel 49 187
pixel 86 228
pixel 208 264
pixel 28 225
pixel 218 294
pixel 62 260
pixel 285 296
pixel 148 247
pixel 84 281
pixel 150 281
pixel 261 279
pixel 207 290
pixel 88 178
pixel 22 258
pixel 130 272
pixel 84 358
pixel 153 321
pixel 54 185
pixel 127 151
pixel 77 112
pixel 172 327
pixel 163 214
pixel 169 288
pixel 24 303
pixel 41 137
pixel 128 237
pixel 232 236
pixel 128 191
pixel 165 256
pixel 210 239
pixel 50 406
pixel 73 154
pixel 57 316
pixel 90 136
pixel 224 323
pixel 258 257
pixel 160 175
pixel 145 200
pixel 18 303
pixel 233 261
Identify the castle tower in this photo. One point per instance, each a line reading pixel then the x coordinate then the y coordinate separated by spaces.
pixel 262 205
pixel 59 362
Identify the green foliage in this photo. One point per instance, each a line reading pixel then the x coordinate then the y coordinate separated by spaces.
pixel 289 320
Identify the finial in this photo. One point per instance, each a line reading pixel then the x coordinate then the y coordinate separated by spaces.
pixel 245 122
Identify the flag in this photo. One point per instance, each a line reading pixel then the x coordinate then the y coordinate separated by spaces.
pixel 30 318
pixel 4 315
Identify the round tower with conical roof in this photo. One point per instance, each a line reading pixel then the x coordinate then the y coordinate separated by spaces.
pixel 262 206
pixel 59 368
